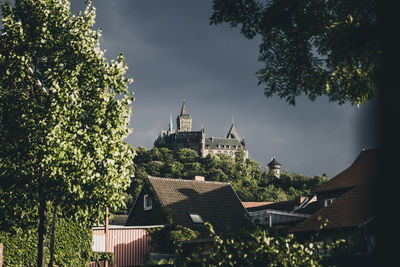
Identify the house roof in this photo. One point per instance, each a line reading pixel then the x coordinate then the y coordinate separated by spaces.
pixel 255 204
pixel 351 209
pixel 215 202
pixel 288 205
pixel 358 173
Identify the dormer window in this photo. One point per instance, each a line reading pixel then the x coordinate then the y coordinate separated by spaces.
pixel 147 203
pixel 196 218
pixel 328 201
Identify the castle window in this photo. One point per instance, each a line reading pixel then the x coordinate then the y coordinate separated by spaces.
pixel 234 147
pixel 147 203
pixel 222 146
pixel 227 146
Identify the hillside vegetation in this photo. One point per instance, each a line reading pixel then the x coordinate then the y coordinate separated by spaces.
pixel 249 180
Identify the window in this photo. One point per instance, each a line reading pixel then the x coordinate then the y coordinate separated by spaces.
pixel 328 201
pixel 147 203
pixel 196 218
pixel 227 146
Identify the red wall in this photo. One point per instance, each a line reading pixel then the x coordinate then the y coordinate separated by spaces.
pixel 129 244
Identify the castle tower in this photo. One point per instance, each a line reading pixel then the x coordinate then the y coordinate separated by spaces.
pixel 184 120
pixel 274 167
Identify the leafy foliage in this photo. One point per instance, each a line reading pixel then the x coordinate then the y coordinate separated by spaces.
pixel 64 112
pixel 260 247
pixel 170 237
pixel 263 248
pixel 73 245
pixel 313 47
pixel 62 124
pixel 101 257
pixel 246 176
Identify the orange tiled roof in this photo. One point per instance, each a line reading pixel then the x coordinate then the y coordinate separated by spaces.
pixel 358 173
pixel 255 204
pixel 288 205
pixel 351 209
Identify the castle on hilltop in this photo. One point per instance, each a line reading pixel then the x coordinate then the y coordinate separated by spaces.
pixel 184 137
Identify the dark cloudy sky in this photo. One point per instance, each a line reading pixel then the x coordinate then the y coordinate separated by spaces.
pixel 174 54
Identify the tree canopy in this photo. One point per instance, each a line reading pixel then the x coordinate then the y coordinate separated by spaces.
pixel 315 47
pixel 249 180
pixel 64 112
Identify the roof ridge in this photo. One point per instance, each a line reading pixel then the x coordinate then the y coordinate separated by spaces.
pixel 181 179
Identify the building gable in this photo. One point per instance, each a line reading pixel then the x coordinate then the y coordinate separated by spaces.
pixel 139 215
pixel 216 203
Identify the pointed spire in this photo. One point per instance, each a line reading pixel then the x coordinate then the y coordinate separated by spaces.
pixel 171 126
pixel 184 110
pixel 233 133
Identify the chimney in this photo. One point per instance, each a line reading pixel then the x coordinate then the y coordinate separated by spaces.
pixel 199 178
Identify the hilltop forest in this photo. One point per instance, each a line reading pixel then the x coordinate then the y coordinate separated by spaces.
pixel 246 176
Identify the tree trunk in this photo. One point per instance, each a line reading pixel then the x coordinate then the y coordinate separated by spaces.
pixel 52 238
pixel 41 259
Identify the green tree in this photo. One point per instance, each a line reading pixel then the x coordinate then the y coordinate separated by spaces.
pixel 315 47
pixel 186 155
pixel 64 112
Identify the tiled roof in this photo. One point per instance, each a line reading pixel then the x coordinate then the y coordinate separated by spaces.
pixel 358 173
pixel 215 202
pixel 283 205
pixel 351 209
pixel 255 204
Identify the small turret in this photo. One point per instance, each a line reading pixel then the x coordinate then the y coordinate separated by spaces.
pixel 274 167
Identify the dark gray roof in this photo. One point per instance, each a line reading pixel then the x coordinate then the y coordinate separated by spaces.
pixel 216 143
pixel 215 202
pixel 184 110
pixel 273 162
pixel 233 133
